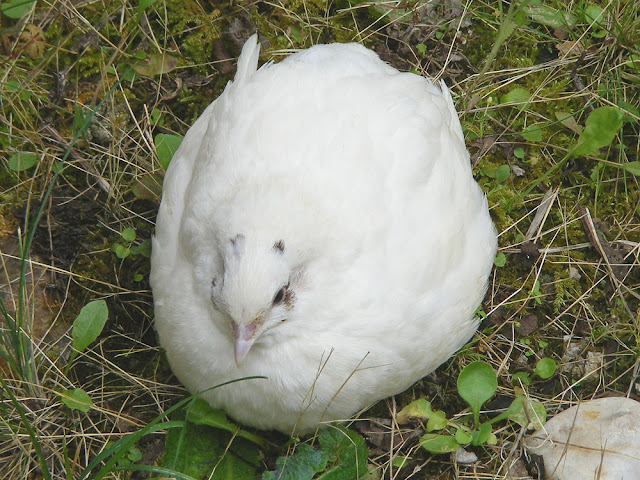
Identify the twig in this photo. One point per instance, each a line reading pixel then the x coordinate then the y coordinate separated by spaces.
pixel 594 238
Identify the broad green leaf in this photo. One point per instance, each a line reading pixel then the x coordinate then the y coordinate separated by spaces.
pixel 128 234
pixel 545 368
pixel 302 465
pixel 22 161
pixel 156 64
pixel 476 384
pixel 76 399
pixel 437 444
pixel 196 450
pixel 600 129
pixel 517 95
pixel 166 146
pixel 89 323
pixel 534 417
pixel 201 413
pixel 16 8
pixel 346 451
pixel 420 408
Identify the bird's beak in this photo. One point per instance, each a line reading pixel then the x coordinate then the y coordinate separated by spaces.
pixel 243 338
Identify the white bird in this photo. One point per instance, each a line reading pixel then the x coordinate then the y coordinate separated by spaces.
pixel 320 227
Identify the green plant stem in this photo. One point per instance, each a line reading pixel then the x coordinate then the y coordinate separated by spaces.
pixel 507 26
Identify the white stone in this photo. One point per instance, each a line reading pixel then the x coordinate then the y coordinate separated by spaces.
pixel 597 439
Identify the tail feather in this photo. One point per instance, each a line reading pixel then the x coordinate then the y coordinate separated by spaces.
pixel 248 60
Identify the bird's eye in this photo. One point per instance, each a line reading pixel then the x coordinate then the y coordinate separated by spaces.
pixel 279 296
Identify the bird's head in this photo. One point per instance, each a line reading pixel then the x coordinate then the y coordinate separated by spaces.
pixel 254 291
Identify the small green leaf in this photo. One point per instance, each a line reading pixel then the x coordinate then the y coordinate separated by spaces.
pixel 21 161
pixel 476 384
pixel 518 152
pixel 89 324
pixel 135 455
pixel 137 277
pixel 500 260
pixel 535 292
pixel 437 421
pixel 481 436
pixel 422 48
pixel 400 461
pixel 129 234
pixel 632 167
pixel 420 409
pixel 145 248
pixel 16 8
pixel 148 187
pixel 156 64
pixel 521 377
pixel 517 96
pixel 76 399
pixel 435 443
pixel 463 437
pixel 502 173
pixel 532 133
pixel 600 129
pixel 121 251
pixel 593 15
pixel 527 413
pixel 166 146
pixel 545 368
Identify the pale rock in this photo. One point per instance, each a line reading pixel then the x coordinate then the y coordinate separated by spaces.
pixel 597 439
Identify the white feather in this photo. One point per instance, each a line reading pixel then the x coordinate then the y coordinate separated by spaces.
pixel 363 172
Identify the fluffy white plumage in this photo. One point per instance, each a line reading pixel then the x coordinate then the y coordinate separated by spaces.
pixel 320 226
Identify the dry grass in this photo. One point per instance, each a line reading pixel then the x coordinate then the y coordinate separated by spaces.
pixel 66 61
